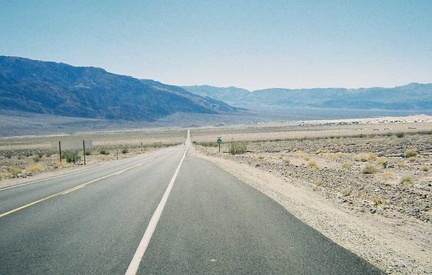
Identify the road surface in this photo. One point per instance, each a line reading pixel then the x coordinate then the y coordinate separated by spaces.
pixel 159 213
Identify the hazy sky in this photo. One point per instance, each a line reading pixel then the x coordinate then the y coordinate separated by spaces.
pixel 251 44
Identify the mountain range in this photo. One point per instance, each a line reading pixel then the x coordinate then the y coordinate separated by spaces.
pixel 58 89
pixel 410 97
pixel 87 92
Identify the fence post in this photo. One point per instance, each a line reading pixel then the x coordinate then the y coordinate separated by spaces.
pixel 84 152
pixel 60 152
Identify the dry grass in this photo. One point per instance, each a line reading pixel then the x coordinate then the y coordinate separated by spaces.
pixel 35 168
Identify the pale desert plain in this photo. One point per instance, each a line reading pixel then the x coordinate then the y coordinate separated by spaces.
pixel 366 184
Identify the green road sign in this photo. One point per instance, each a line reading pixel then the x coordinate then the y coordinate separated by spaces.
pixel 219 140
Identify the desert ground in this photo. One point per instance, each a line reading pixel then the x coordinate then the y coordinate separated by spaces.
pixel 364 183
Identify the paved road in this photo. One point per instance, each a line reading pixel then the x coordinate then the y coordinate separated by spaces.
pixel 92 223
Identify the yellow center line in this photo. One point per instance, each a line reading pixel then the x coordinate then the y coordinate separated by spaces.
pixel 70 190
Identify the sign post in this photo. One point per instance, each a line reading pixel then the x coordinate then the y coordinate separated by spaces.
pixel 219 141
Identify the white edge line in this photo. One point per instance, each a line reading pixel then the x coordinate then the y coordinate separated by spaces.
pixel 142 247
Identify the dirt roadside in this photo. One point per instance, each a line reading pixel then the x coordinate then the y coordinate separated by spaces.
pixel 398 246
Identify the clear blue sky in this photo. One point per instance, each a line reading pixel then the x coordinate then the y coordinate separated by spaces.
pixel 251 44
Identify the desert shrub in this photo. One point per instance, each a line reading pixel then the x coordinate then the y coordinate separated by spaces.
pixel 346 191
pixel 412 159
pixel 425 168
pixel 334 156
pixel 104 151
pixel 410 153
pixel 237 147
pixel 383 161
pixel 400 135
pixel 407 180
pixel 8 154
pixel 261 157
pixel 71 156
pixel 387 174
pixel 157 144
pixel 207 144
pixel 14 170
pixel 361 157
pixel 401 164
pixel 88 152
pixel 34 168
pixel 347 165
pixel 306 157
pixel 372 156
pixel 369 170
pixel 377 200
pixel 287 161
pixel 319 182
pixel 312 164
pixel 36 158
pixel 125 151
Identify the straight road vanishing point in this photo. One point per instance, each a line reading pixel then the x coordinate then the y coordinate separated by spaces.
pixel 159 213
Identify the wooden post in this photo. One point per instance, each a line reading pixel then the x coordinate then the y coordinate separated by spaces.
pixel 84 152
pixel 60 152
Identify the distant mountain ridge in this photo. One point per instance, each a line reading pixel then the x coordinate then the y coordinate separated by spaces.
pixel 60 89
pixel 413 96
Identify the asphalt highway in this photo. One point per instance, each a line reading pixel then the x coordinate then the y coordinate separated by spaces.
pixel 96 222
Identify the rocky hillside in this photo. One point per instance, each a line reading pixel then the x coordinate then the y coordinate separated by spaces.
pixel 88 92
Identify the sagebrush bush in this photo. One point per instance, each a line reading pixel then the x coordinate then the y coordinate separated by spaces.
pixel 369 170
pixel 71 156
pixel 383 161
pixel 14 170
pixel 378 200
pixel 407 180
pixel 409 153
pixel 312 164
pixel 346 191
pixel 104 152
pixel 347 165
pixel 237 147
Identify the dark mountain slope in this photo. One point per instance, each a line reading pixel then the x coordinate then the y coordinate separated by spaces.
pixel 60 89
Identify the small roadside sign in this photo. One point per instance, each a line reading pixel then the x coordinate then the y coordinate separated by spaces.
pixel 219 141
